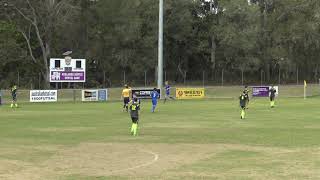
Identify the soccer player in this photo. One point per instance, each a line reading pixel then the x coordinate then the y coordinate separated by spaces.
pixel 272 92
pixel 154 95
pixel 134 113
pixel 246 93
pixel 14 96
pixel 135 95
pixel 243 101
pixel 126 97
pixel 167 96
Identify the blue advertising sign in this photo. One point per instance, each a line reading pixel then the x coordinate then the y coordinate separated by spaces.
pixel 102 95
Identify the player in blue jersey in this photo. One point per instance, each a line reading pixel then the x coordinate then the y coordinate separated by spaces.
pixel 154 96
pixel 167 96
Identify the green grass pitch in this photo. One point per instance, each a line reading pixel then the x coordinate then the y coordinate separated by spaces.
pixel 196 139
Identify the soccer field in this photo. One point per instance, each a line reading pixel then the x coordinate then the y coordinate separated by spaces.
pixel 203 139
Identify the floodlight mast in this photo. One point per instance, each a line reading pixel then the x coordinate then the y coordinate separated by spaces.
pixel 160 46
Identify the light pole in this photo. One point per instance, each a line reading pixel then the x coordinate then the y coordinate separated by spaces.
pixel 160 46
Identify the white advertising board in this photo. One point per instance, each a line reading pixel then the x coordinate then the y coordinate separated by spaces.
pixel 43 96
pixel 95 95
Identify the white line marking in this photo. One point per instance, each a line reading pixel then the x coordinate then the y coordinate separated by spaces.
pixel 155 159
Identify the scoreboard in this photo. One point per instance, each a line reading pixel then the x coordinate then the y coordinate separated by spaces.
pixel 67 70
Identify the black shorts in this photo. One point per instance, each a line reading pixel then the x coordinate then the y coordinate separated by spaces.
pixel 243 107
pixel 135 119
pixel 271 98
pixel 14 97
pixel 126 100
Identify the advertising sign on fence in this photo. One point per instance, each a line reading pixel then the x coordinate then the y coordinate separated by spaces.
pixel 190 93
pixel 67 70
pixel 95 95
pixel 43 96
pixel 260 91
pixel 102 95
pixel 144 93
pixel 263 91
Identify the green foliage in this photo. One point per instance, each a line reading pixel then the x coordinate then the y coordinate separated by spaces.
pixel 121 35
pixel 12 53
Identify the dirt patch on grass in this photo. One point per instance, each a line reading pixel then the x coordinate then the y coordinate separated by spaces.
pixel 173 125
pixel 22 161
pixel 253 162
pixel 97 159
pixel 112 159
pixel 312 126
pixel 71 129
pixel 148 160
pixel 10 167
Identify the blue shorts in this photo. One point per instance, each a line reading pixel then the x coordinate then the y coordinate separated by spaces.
pixel 154 102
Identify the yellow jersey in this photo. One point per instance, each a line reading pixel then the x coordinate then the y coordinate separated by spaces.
pixel 126 92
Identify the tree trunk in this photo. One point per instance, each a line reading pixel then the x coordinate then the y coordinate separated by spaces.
pixel 264 40
pixel 180 71
pixel 213 56
pixel 45 48
pixel 242 78
pixel 267 72
pixel 316 73
pixel 47 76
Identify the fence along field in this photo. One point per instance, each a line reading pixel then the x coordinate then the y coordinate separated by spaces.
pixel 211 92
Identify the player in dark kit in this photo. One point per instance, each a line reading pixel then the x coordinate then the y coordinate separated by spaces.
pixel 243 101
pixel 246 93
pixel 272 92
pixel 134 113
pixel 14 96
pixel 135 95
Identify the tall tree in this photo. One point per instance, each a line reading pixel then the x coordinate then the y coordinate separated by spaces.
pixel 37 21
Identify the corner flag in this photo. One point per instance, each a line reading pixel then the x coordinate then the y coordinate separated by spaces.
pixel 305 83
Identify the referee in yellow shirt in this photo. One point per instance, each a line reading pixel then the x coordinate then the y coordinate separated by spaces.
pixel 126 97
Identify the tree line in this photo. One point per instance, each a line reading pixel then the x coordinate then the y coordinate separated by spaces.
pixel 245 41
